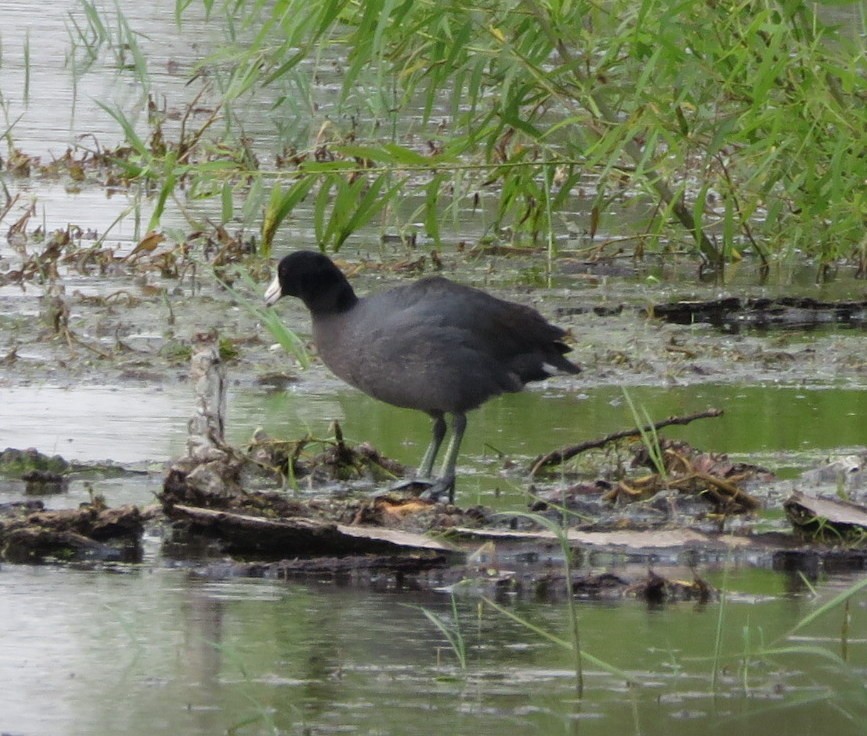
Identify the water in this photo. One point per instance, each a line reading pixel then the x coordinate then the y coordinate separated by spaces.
pixel 90 424
pixel 159 651
pixel 51 96
pixel 155 648
pixel 788 429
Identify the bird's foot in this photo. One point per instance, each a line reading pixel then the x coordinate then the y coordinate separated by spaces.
pixel 430 489
pixel 438 488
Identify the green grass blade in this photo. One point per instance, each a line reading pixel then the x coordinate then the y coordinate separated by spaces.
pixel 269 318
pixel 835 602
pixel 280 206
pixel 563 643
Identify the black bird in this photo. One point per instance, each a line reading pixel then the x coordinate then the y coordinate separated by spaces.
pixel 432 345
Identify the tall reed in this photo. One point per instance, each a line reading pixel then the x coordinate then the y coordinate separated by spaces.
pixel 738 125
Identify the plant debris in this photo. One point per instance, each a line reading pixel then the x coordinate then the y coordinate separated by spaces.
pixel 567 453
pixel 30 534
pixel 677 467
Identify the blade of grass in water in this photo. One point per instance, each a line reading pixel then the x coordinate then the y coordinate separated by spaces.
pixel 285 337
pixel 451 631
pixel 564 643
pixel 823 609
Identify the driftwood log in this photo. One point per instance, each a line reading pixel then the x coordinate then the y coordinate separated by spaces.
pixel 829 520
pixel 295 536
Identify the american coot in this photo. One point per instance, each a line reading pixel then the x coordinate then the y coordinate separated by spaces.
pixel 432 345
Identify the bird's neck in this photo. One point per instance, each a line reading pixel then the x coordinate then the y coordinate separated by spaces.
pixel 336 298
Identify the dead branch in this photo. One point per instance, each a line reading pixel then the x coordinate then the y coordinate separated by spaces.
pixel 566 453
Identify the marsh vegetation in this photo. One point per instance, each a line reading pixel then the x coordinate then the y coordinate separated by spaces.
pixel 596 160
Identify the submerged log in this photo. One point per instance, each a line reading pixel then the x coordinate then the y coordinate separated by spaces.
pixel 827 519
pixel 762 312
pixel 243 534
pixel 634 540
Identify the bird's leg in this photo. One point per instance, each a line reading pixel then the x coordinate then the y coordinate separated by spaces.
pixel 427 461
pixel 446 481
pixel 423 478
pixel 447 473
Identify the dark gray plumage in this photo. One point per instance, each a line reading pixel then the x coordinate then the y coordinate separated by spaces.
pixel 432 345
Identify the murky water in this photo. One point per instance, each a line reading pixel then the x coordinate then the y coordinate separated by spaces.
pixel 155 649
pixel 786 428
pixel 92 423
pixel 158 651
